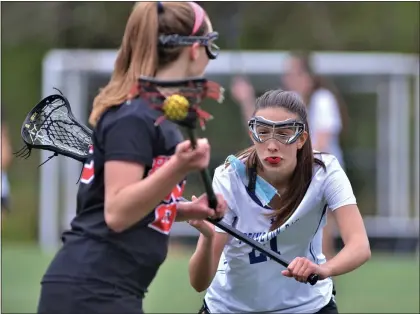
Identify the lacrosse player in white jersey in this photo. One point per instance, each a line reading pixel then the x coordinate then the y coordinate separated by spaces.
pixel 278 192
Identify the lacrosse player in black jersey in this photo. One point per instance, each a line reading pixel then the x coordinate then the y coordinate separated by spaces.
pixel 132 182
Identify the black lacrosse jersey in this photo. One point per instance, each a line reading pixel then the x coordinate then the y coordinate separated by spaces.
pixel 91 251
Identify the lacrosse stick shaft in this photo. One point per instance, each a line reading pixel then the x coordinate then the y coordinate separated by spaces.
pixel 205 175
pixel 312 279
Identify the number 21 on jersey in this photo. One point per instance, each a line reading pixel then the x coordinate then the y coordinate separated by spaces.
pixel 256 257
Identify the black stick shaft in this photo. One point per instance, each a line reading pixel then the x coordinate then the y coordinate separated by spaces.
pixel 205 175
pixel 312 279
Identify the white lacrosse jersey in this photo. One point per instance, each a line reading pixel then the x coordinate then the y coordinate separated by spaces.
pixel 247 281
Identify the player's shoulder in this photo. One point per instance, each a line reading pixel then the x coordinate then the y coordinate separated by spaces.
pixel 327 164
pixel 330 162
pixel 136 109
pixel 228 174
pixel 229 180
pixel 223 174
pixel 133 112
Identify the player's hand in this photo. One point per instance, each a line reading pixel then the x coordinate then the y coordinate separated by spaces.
pixel 190 159
pixel 242 90
pixel 206 228
pixel 300 269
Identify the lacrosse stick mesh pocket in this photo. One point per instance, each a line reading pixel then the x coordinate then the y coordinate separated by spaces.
pixel 52 126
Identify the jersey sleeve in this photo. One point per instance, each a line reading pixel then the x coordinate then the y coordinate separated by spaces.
pixel 338 191
pixel 223 185
pixel 129 138
pixel 326 113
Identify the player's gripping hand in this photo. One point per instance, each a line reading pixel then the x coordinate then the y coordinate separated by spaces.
pixel 190 159
pixel 300 269
pixel 206 228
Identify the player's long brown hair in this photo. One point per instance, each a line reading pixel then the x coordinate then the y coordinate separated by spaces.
pixel 139 53
pixel 302 175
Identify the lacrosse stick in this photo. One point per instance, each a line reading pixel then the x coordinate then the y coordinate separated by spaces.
pixel 51 126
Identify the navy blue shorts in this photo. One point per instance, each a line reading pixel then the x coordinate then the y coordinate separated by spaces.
pixel 92 298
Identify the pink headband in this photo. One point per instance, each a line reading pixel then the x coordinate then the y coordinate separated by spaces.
pixel 198 16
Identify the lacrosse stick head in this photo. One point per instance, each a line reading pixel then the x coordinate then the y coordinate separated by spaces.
pixel 181 103
pixel 50 125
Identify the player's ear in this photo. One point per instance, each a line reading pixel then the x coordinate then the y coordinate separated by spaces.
pixel 251 137
pixel 194 51
pixel 302 140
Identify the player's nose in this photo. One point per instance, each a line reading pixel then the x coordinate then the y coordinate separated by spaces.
pixel 272 145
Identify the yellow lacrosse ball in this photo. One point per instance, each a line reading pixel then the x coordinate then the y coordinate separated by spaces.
pixel 175 107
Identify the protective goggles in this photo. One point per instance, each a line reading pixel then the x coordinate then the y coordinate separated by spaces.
pixel 286 132
pixel 206 41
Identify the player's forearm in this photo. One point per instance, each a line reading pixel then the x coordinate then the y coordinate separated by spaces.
pixel 201 266
pixel 136 201
pixel 183 212
pixel 353 255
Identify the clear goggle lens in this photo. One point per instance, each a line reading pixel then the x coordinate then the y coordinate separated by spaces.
pixel 286 132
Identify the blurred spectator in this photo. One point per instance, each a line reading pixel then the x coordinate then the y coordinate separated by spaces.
pixel 327 114
pixel 6 159
pixel 326 110
pixel 244 94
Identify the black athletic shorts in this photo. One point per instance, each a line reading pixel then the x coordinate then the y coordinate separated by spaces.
pixel 330 308
pixel 92 298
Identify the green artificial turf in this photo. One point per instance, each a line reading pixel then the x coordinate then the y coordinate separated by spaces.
pixel 387 284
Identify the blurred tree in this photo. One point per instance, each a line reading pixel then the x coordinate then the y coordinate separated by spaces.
pixel 379 26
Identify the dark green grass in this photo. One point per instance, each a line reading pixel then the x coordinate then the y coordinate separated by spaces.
pixel 387 284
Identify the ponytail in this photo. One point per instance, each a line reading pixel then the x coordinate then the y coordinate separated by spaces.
pixel 133 59
pixel 144 20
